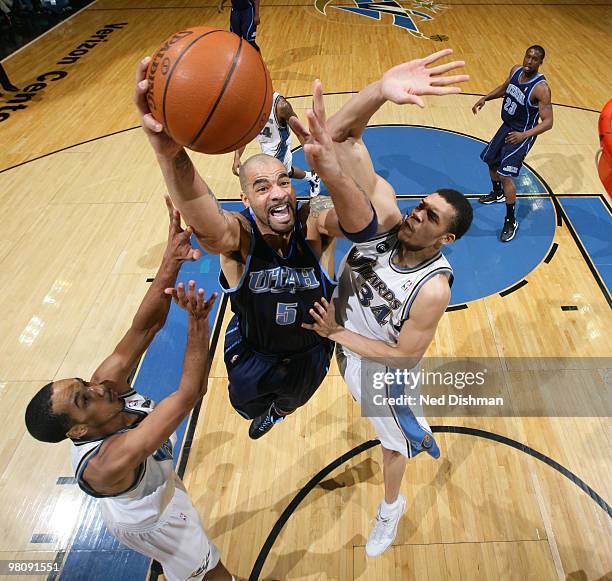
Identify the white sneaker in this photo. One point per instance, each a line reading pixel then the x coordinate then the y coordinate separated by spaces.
pixel 315 185
pixel 385 529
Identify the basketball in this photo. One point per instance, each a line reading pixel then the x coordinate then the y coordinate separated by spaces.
pixel 210 89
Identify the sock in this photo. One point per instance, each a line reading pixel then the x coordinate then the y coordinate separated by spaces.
pixel 309 175
pixel 389 509
pixel 276 413
pixel 497 187
pixel 510 211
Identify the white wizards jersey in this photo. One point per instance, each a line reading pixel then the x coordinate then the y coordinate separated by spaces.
pixel 275 139
pixel 153 487
pixel 374 294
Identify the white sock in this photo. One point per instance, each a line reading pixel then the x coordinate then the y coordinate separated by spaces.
pixel 389 509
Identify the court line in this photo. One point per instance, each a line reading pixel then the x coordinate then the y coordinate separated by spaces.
pixel 469 94
pixel 552 252
pixel 195 414
pixel 299 147
pixel 286 514
pixel 513 288
pixel 69 147
pixel 47 32
pixel 587 258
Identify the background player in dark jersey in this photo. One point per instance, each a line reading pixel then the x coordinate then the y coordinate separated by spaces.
pixel 122 442
pixel 244 19
pixel 274 261
pixel 526 98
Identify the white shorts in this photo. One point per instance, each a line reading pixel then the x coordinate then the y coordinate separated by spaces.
pixel 287 158
pixel 178 540
pixel 399 427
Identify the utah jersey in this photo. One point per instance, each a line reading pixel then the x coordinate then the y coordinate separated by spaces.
pixel 274 138
pixel 518 111
pixel 275 293
pixel 153 487
pixel 374 294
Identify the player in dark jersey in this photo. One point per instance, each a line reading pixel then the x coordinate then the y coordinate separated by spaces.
pixel 526 98
pixel 274 258
pixel 244 19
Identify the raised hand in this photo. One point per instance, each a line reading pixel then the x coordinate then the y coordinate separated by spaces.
pixel 406 83
pixel 179 240
pixel 316 140
pixel 161 142
pixel 194 303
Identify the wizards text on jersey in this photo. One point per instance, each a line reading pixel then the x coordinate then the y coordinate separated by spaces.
pixel 364 266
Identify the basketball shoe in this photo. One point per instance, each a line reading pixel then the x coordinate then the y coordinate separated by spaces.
pixel 385 529
pixel 262 424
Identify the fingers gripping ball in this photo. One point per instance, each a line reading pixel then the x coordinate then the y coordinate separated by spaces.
pixel 210 89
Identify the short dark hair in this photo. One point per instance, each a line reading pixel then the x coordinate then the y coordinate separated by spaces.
pixel 462 219
pixel 539 49
pixel 40 420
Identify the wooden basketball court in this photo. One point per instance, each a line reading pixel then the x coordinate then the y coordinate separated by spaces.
pixel 84 226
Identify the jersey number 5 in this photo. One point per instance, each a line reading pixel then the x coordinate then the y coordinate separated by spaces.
pixel 286 313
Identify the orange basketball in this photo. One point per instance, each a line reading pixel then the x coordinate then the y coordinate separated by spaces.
pixel 210 89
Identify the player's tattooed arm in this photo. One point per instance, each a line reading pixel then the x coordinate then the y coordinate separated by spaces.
pixel 217 230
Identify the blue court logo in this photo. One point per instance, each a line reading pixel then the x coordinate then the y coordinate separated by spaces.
pixel 406 18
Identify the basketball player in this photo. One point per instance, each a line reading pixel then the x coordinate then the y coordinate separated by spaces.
pixel 526 98
pixel 244 19
pixel 275 140
pixel 275 256
pixel 394 286
pixel 122 443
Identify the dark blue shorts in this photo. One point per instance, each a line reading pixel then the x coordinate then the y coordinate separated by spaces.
pixel 242 23
pixel 507 159
pixel 257 380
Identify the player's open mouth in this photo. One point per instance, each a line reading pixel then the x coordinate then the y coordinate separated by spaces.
pixel 282 212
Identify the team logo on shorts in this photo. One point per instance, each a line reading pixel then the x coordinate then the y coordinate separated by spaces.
pixel 510 168
pixel 407 18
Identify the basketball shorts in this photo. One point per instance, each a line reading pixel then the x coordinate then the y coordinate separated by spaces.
pixel 242 23
pixel 257 380
pixel 506 158
pixel 399 426
pixel 178 540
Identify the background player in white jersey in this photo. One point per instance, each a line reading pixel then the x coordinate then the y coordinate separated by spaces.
pixel 122 442
pixel 275 140
pixel 526 98
pixel 395 283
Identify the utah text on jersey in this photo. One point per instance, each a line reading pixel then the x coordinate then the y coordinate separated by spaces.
pixel 403 17
pixel 283 279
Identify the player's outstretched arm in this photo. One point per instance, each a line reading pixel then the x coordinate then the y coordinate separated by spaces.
pixel 218 231
pixel 153 310
pixel 403 84
pixel 496 93
pixel 352 206
pixel 113 467
pixel 416 334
